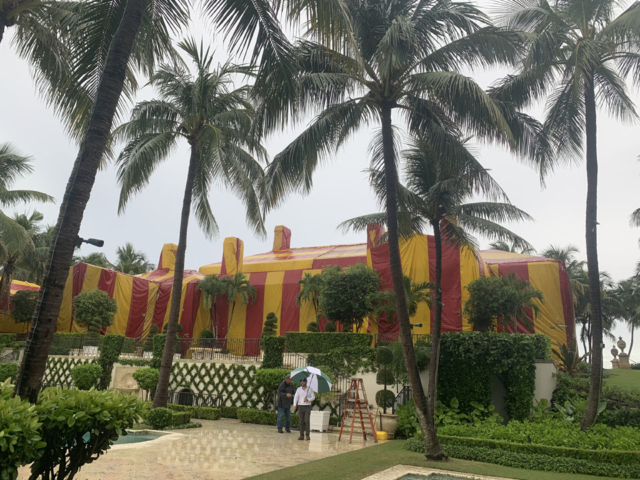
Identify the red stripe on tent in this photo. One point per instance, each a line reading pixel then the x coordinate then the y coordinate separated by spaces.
pixel 567 302
pixel 16 287
pixel 380 261
pixel 521 271
pixel 339 261
pixel 164 294
pixel 160 272
pixel 290 321
pixel 139 300
pixel 189 309
pixel 222 312
pixel 107 283
pixel 451 288
pixel 255 312
pixel 79 271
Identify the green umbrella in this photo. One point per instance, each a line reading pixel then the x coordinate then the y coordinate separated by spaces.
pixel 316 380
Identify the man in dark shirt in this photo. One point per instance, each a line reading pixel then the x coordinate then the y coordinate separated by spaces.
pixel 284 402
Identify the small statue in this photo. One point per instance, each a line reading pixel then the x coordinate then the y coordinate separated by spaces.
pixel 614 352
pixel 622 344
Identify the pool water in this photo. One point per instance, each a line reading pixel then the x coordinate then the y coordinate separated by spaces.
pixel 137 438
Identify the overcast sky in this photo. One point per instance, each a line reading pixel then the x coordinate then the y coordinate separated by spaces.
pixel 341 190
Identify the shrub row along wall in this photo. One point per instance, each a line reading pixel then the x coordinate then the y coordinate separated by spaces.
pixel 308 342
pixel 468 361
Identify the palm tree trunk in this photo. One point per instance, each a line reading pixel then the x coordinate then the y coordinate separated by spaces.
pixel 215 319
pixel 633 329
pixel 433 450
pixel 432 391
pixel 162 390
pixel 76 196
pixel 595 384
pixel 233 307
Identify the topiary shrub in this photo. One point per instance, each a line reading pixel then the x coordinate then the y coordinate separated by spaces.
pixel 94 309
pixel 270 379
pixel 206 333
pixel 23 302
pixel 109 353
pixel 158 349
pixel 273 352
pixel 270 328
pixel 313 327
pixel 147 378
pixel 160 418
pixel 385 399
pixel 20 441
pixel 86 376
pixel 330 327
pixel 384 359
pixel 8 371
pixel 78 426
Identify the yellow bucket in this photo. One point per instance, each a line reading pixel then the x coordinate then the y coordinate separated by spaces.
pixel 382 435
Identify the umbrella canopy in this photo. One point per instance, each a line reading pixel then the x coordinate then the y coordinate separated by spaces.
pixel 316 380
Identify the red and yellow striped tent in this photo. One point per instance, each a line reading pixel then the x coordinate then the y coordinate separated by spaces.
pixel 7 325
pixel 144 300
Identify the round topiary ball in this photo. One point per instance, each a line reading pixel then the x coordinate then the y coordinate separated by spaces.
pixel 384 356
pixel 330 327
pixel 313 327
pixel 385 398
pixel 385 377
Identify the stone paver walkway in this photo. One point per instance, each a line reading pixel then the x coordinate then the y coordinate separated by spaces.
pixel 221 450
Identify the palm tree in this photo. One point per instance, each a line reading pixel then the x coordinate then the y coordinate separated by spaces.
pixel 239 287
pixel 97 259
pixel 104 51
pixel 31 268
pixel 438 188
pixel 579 56
pixel 416 293
pixel 310 291
pixel 407 56
pixel 505 247
pixel 132 262
pixel 216 120
pixel 525 298
pixel 626 306
pixel 213 286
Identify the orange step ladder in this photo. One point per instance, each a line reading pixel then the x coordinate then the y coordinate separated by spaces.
pixel 355 404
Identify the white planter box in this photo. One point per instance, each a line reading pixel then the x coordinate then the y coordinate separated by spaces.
pixel 320 420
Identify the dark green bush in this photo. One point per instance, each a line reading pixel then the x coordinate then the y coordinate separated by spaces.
pixel 86 376
pixel 542 346
pixel 468 361
pixel 68 415
pixel 635 366
pixel 201 413
pixel 158 349
pixel 345 361
pixel 180 418
pixel 273 351
pixel 94 309
pixel 270 378
pixel 229 412
pixel 63 343
pixel 135 363
pixel 8 371
pixel 206 333
pixel 6 339
pixel 23 302
pixel 330 327
pixel 20 441
pixel 261 417
pixel 311 342
pixel 313 327
pixel 160 418
pixel 109 352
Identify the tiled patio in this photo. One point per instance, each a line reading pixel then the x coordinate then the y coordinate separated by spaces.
pixel 221 450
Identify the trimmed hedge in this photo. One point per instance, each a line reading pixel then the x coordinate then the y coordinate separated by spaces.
pixel 63 342
pixel 161 418
pixel 262 417
pixel 200 413
pixel 229 412
pixel 134 363
pixel 273 352
pixel 313 342
pixel 598 456
pixel 109 352
pixel 158 349
pixel 542 463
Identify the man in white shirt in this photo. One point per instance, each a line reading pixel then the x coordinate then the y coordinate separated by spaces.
pixel 302 401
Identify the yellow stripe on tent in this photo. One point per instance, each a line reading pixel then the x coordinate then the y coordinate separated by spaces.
pixel 152 297
pixel 469 271
pixel 545 277
pixel 273 296
pixel 64 317
pixel 414 255
pixel 122 293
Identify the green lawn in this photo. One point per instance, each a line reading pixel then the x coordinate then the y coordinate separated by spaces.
pixel 365 462
pixel 623 378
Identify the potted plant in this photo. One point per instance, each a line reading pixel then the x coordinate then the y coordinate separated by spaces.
pixel 387 422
